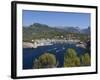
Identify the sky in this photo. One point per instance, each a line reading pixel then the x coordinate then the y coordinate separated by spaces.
pixel 54 19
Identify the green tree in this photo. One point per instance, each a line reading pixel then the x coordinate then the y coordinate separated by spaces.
pixel 47 60
pixel 86 60
pixel 71 59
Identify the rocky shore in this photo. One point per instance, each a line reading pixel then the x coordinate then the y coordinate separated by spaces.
pixel 36 43
pixel 28 45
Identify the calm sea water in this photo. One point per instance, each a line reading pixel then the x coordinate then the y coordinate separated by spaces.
pixel 29 54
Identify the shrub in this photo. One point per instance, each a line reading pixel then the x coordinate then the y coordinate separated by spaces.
pixel 46 60
pixel 71 59
pixel 86 60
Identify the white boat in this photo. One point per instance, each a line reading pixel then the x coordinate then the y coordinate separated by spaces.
pixel 36 44
pixel 55 48
pixel 63 48
pixel 80 45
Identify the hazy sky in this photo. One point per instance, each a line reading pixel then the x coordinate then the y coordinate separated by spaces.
pixel 53 19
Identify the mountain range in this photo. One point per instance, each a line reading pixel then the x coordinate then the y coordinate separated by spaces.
pixel 38 30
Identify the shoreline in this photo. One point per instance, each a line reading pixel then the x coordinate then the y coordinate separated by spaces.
pixel 37 43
